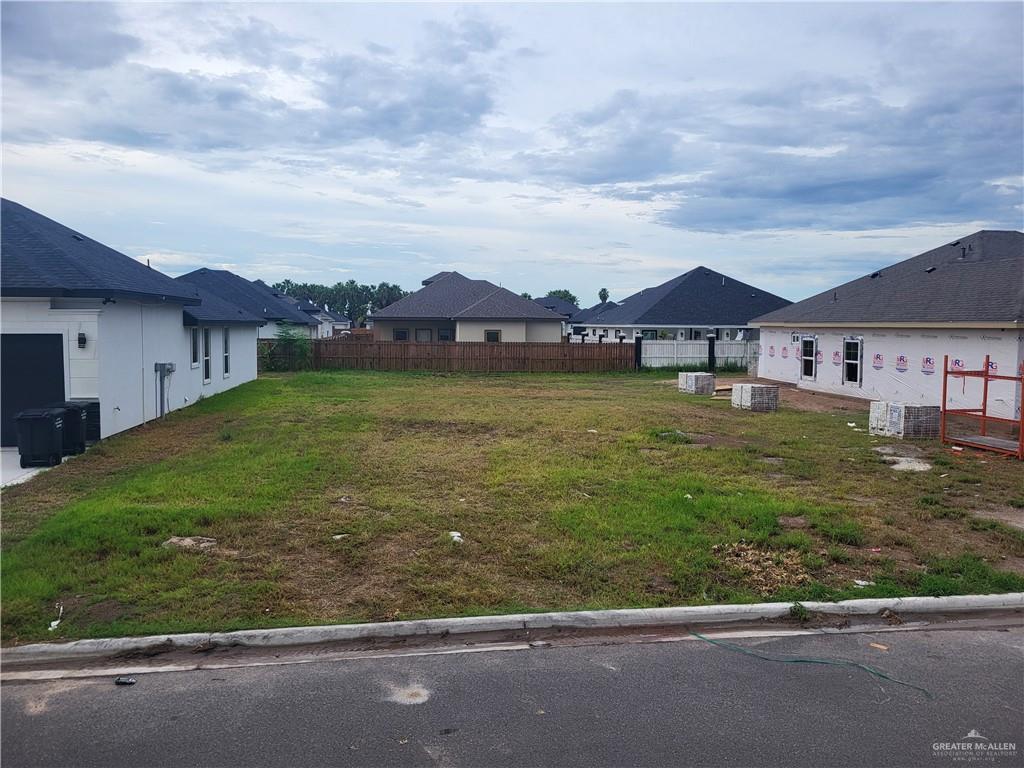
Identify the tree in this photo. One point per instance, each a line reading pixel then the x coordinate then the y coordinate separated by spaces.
pixel 526 296
pixel 602 295
pixel 562 293
pixel 351 298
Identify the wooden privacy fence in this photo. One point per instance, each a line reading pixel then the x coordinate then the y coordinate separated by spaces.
pixel 472 356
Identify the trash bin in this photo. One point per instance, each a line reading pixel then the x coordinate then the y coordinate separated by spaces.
pixel 40 436
pixel 74 426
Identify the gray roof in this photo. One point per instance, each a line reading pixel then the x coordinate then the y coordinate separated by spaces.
pixel 216 311
pixel 700 297
pixel 39 257
pixel 452 296
pixel 558 305
pixel 337 317
pixel 978 278
pixel 254 297
pixel 586 314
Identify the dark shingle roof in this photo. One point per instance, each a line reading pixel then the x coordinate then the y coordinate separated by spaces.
pixel 39 257
pixel 699 297
pixel 254 297
pixel 454 296
pixel 585 315
pixel 216 311
pixel 979 278
pixel 338 317
pixel 558 305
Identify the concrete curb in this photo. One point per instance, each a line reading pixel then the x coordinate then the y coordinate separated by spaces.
pixel 613 619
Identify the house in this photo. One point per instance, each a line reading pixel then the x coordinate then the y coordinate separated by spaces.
pixel 687 308
pixel 581 317
pixel 560 306
pixel 884 335
pixel 83 321
pixel 329 323
pixel 340 324
pixel 256 298
pixel 451 307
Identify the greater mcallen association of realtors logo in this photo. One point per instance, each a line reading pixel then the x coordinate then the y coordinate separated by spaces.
pixel 974 748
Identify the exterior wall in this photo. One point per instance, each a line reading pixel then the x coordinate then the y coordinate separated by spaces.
pixel 269 331
pixel 883 380
pixel 544 330
pixel 511 330
pixel 675 333
pixel 186 383
pixel 383 330
pixel 81 367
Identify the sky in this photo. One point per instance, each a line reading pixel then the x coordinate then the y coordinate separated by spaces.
pixel 580 146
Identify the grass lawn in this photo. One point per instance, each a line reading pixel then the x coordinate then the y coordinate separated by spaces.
pixel 585 491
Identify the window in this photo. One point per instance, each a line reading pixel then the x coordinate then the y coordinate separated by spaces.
pixel 424 334
pixel 227 352
pixel 492 336
pixel 206 355
pixel 195 348
pixel 852 360
pixel 400 334
pixel 445 334
pixel 808 357
pixel 649 335
pixel 795 337
pixel 696 334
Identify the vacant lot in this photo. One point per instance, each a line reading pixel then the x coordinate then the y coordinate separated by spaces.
pixel 331 497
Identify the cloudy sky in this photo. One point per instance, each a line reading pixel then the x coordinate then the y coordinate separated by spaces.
pixel 539 146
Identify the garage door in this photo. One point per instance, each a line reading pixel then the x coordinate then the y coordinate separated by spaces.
pixel 31 376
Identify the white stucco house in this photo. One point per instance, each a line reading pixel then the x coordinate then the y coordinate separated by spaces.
pixel 452 307
pixel 884 336
pixel 329 323
pixel 686 308
pixel 81 321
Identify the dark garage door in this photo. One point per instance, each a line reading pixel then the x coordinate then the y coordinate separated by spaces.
pixel 31 376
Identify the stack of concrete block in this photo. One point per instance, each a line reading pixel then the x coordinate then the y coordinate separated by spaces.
pixel 697 383
pixel 755 397
pixel 908 421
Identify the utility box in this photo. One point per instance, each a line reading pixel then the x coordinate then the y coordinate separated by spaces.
pixel 75 426
pixel 40 436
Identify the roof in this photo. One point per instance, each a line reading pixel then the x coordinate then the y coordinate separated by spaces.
pixel 216 311
pixel 590 312
pixel 337 317
pixel 701 297
pixel 39 257
pixel 978 278
pixel 558 305
pixel 254 297
pixel 453 296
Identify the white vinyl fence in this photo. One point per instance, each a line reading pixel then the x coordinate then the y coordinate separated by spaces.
pixel 668 354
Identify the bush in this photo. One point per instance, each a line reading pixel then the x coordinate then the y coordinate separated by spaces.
pixel 291 350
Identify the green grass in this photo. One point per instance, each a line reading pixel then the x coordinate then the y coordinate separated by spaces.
pixel 571 492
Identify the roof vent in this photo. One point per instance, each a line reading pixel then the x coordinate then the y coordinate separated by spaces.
pixel 930 270
pixel 963 251
pixel 875 274
pixel 835 296
pixel 78 237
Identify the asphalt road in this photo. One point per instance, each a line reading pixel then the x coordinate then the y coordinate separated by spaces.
pixel 629 704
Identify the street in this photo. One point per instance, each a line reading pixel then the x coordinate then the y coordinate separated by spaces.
pixel 630 703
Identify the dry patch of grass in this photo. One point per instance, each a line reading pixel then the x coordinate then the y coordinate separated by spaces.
pixel 332 497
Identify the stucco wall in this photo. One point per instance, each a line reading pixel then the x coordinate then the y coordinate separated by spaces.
pixel 383 330
pixel 909 368
pixel 473 330
pixel 543 330
pixel 81 368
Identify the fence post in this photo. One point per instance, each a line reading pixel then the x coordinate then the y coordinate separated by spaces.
pixel 711 353
pixel 638 355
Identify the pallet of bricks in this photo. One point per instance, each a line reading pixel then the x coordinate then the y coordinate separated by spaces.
pixel 755 397
pixel 908 421
pixel 697 383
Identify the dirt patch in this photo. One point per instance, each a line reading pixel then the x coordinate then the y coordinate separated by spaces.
pixel 771 460
pixel 904 458
pixel 1011 564
pixel 1002 513
pixel 816 402
pixel 795 521
pixel 764 571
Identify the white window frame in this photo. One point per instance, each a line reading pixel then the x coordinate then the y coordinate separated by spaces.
pixel 795 337
pixel 194 349
pixel 813 358
pixel 226 346
pixel 859 341
pixel 207 361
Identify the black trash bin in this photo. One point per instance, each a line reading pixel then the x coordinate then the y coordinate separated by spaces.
pixel 40 436
pixel 74 426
